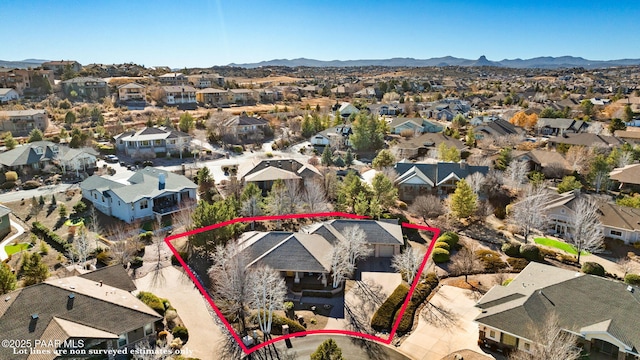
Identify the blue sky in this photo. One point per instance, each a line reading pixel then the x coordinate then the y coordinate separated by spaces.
pixel 217 32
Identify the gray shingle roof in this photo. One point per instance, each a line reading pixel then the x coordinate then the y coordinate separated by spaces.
pixel 438 172
pixel 109 310
pixel 582 302
pixel 114 276
pixel 142 184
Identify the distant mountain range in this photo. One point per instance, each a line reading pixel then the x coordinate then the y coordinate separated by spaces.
pixel 546 62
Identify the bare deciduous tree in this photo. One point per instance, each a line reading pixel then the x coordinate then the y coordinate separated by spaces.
pixel 427 206
pixel 124 244
pixel 578 158
pixel 81 245
pixel 315 198
pixel 627 265
pixel 516 174
pixel 465 262
pixel 351 247
pixel 550 342
pixel 408 262
pixel 475 180
pixel 528 213
pixel 294 191
pixel 554 171
pixel 229 280
pixel 584 226
pixel 252 207
pixel 267 294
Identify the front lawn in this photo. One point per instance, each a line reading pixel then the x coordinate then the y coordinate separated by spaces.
pixel 568 248
pixel 12 249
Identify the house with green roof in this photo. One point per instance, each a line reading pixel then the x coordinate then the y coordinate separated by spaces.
pixel 602 313
pixel 147 194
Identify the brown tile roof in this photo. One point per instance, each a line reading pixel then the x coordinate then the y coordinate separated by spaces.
pixel 621 217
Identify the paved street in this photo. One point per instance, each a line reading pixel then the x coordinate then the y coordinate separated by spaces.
pixel 46 190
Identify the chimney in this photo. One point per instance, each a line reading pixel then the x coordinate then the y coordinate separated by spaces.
pixel 463 164
pixel 161 182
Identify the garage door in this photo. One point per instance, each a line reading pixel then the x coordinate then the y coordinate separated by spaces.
pixel 386 250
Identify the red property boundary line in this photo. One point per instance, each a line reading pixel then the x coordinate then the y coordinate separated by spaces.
pixel 168 239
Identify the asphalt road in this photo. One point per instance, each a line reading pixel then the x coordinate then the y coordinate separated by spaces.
pixel 46 190
pixel 352 348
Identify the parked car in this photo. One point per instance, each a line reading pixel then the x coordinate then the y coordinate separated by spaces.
pixel 111 159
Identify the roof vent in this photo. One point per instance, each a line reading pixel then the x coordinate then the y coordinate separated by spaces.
pixel 72 296
pixel 7 298
pixel 34 316
pixel 630 288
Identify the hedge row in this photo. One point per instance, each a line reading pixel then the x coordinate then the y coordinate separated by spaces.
pixel 530 252
pixel 382 319
pixel 61 245
pixel 153 301
pixel 420 294
pixel 440 255
pixel 450 238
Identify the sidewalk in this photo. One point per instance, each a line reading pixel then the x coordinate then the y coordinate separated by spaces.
pixel 7 241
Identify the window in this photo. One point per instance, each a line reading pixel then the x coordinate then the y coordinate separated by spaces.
pixel 492 334
pixel 145 143
pixel 615 233
pixel 144 204
pixel 157 142
pixel 95 196
pixel 103 199
pixel 38 150
pixel 148 329
pixel 122 340
pixel 527 346
pixel 172 142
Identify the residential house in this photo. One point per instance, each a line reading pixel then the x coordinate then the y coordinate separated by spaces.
pixel 627 177
pixel 131 92
pixel 21 79
pixel 547 126
pixel 447 109
pixel 21 122
pixel 158 141
pixel 586 139
pixel 333 135
pixel 629 136
pixel 420 145
pixel 306 253
pixel 149 193
pixel 8 94
pixel 213 97
pixel 5 223
pixel 415 179
pixel 367 93
pixel 600 101
pixel 95 311
pixel 346 109
pixel 481 120
pixel 39 154
pixel 182 96
pixel 246 127
pixel 243 96
pixel 173 79
pixel 414 125
pixel 548 162
pixel 386 109
pixel 618 222
pixel 86 88
pixel 265 172
pixel 496 128
pixel 203 81
pixel 58 66
pixel 603 314
pixel 310 90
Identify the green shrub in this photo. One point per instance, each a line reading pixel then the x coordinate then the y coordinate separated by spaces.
pixel 592 268
pixel 382 319
pixel 174 259
pixel 278 321
pixel 136 262
pixel 545 252
pixel 632 279
pixel 238 149
pixel 288 305
pixel 152 301
pixel 146 237
pixel 420 294
pixel 530 252
pixel 104 258
pixel 11 176
pixel 491 260
pixel 30 184
pixel 450 238
pixel 440 255
pixel 59 244
pixel 517 264
pixel 8 185
pixel 442 245
pixel 80 207
pixel 180 332
pixel 511 249
pixel 507 282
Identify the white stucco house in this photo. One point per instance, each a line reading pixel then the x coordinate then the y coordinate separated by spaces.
pixel 147 194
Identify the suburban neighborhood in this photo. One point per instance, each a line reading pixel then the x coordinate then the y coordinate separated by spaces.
pixel 300 209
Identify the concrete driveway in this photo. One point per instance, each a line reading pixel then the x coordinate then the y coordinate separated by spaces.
pixel 444 326
pixel 204 334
